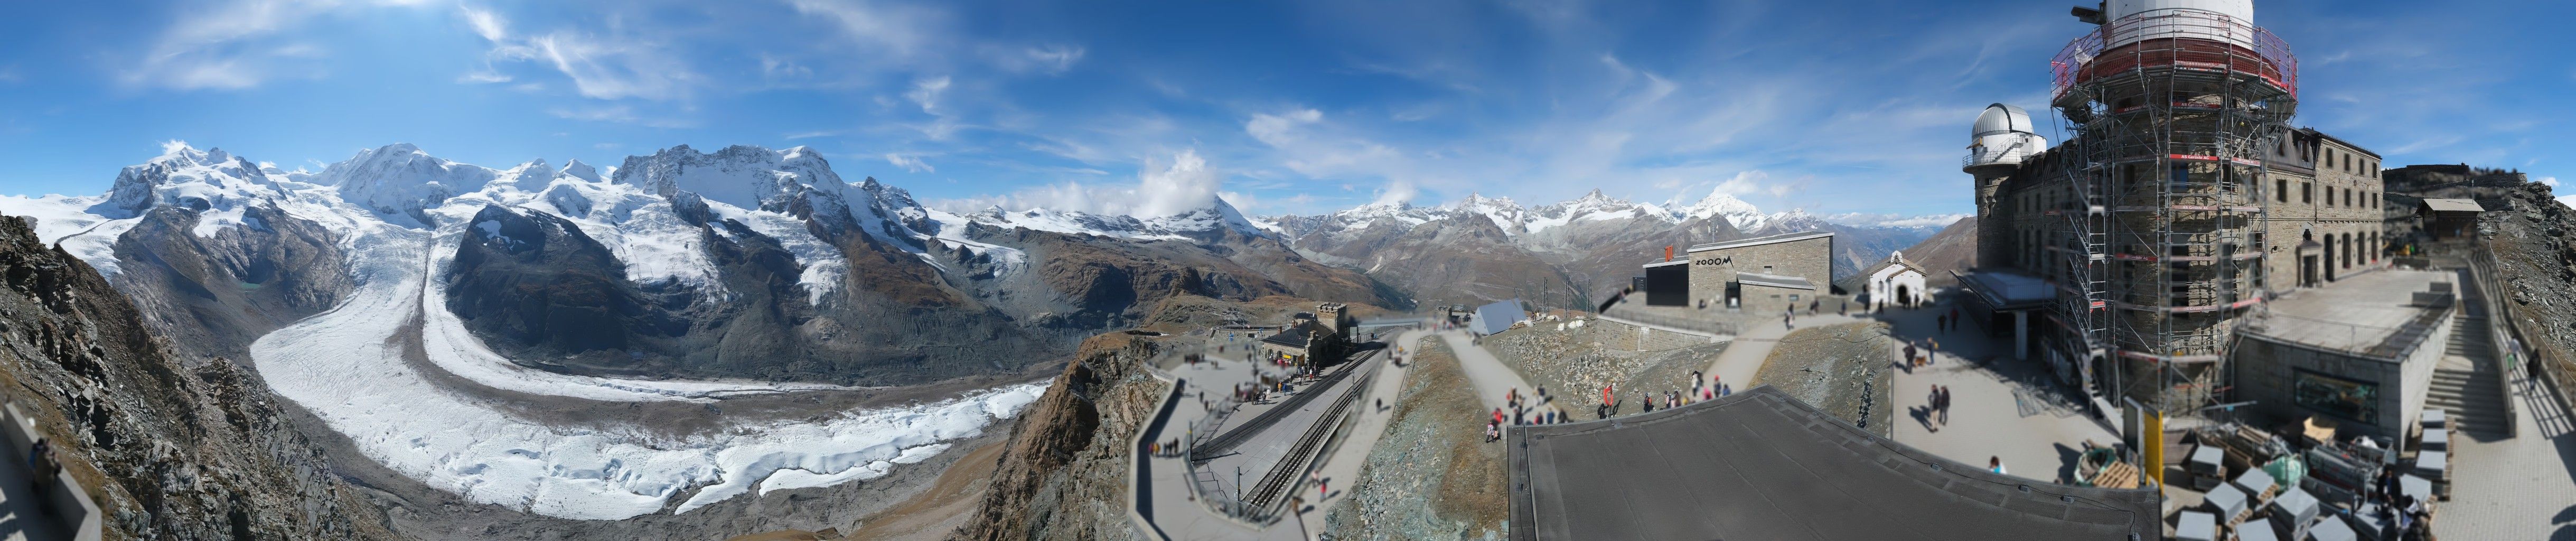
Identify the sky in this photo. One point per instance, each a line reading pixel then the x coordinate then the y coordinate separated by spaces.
pixel 1289 107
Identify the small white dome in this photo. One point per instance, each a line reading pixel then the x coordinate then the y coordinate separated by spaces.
pixel 2000 118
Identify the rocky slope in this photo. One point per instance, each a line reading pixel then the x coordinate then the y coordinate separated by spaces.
pixel 170 449
pixel 1062 476
pixel 1952 249
pixel 2533 239
pixel 1432 475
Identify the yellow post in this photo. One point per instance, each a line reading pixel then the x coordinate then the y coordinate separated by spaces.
pixel 2153 424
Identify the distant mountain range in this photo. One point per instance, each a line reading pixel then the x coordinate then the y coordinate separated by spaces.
pixel 743 262
pixel 1566 254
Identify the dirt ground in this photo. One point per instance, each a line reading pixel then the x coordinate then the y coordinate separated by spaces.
pixel 1842 369
pixel 1432 476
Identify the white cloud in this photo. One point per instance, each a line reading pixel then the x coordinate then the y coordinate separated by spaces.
pixel 1185 184
pixel 898 30
pixel 810 134
pixel 482 77
pixel 2569 200
pixel 605 146
pixel 1395 192
pixel 215 47
pixel 614 68
pixel 910 163
pixel 486 24
pixel 1054 59
pixel 925 92
pixel 2551 181
pixel 620 114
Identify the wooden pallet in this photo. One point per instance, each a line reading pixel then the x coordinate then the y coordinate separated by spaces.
pixel 2117 475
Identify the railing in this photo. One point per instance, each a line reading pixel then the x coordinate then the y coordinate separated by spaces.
pixel 2556 372
pixel 1239 433
pixel 1283 478
pixel 2073 65
pixel 1690 324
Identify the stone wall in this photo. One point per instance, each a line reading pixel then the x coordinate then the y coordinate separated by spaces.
pixel 1711 270
pixel 1769 301
pixel 2266 368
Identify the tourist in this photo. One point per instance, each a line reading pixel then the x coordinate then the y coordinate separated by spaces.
pixel 1931 351
pixel 1909 358
pixel 1944 399
pixel 1954 319
pixel 1996 464
pixel 1812 305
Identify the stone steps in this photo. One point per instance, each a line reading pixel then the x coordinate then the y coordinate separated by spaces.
pixel 2472 394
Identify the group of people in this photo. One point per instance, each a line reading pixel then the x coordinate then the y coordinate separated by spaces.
pixel 1938 409
pixel 1525 410
pixel 2406 516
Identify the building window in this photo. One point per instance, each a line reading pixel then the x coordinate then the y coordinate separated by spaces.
pixel 2282 186
pixel 2307 192
pixel 2338 397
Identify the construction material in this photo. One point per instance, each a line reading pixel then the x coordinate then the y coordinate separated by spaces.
pixel 2258 486
pixel 2294 510
pixel 2227 502
pixel 2332 529
pixel 2196 526
pixel 2257 530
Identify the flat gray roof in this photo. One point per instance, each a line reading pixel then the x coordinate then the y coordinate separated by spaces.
pixel 1773 280
pixel 2453 205
pixel 2356 313
pixel 1762 465
pixel 2004 289
pixel 1757 241
pixel 1666 263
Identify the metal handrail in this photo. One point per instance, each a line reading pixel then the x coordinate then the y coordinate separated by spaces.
pixel 1243 432
pixel 2072 62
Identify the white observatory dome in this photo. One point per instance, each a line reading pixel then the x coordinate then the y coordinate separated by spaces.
pixel 2002 137
pixel 2001 119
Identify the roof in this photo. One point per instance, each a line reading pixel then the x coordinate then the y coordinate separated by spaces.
pixel 1760 464
pixel 2345 144
pixel 2005 290
pixel 1773 280
pixel 2453 205
pixel 1757 241
pixel 1667 263
pixel 1294 337
pixel 1497 317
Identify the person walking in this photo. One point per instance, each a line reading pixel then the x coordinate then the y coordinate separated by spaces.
pixel 1943 394
pixel 1954 318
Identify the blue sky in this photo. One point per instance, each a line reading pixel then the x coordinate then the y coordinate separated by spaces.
pixel 1293 107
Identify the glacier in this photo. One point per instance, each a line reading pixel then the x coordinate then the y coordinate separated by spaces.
pixel 400 212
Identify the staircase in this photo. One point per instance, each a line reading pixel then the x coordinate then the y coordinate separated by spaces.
pixel 2469 382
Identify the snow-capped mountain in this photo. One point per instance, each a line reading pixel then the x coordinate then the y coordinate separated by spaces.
pixel 1567 253
pixel 396 284
pixel 1208 222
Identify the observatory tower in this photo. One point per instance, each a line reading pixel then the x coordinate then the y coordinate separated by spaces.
pixel 2002 138
pixel 2159 246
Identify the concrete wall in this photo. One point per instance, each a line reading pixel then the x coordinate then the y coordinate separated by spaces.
pixel 1767 300
pixel 1626 337
pixel 1711 270
pixel 2267 366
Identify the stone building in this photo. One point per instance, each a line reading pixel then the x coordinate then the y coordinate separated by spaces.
pixel 1794 267
pixel 1322 335
pixel 2181 199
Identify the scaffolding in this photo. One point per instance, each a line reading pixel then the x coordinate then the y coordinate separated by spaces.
pixel 2160 234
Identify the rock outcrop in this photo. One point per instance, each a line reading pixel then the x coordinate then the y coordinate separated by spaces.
pixel 1063 475
pixel 170 450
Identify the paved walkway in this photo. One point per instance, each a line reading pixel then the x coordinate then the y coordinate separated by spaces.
pixel 2035 438
pixel 1743 358
pixel 2522 487
pixel 1341 465
pixel 1493 380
